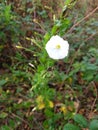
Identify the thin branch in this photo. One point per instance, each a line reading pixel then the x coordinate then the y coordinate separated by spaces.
pixel 20 118
pixel 76 24
pixel 92 107
pixel 90 37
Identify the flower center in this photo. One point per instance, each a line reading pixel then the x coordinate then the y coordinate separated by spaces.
pixel 58 46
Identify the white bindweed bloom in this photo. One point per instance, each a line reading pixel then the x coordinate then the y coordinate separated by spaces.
pixel 57 47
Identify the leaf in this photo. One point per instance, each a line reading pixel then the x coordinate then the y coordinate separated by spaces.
pixel 12 123
pixel 68 2
pixel 7 13
pixel 2 82
pixel 46 37
pixel 96 78
pixel 3 115
pixel 69 126
pixel 54 29
pixel 81 120
pixel 1 46
pixel 5 127
pixel 93 125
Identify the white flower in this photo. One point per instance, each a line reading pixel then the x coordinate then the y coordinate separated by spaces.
pixel 57 48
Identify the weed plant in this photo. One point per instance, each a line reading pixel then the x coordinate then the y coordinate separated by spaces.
pixel 37 92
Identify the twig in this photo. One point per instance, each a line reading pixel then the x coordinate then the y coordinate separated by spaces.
pixel 90 37
pixel 85 39
pixel 76 24
pixel 40 25
pixel 75 55
pixel 38 124
pixel 19 118
pixel 95 97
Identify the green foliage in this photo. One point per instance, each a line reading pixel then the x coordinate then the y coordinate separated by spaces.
pixel 5 127
pixel 81 120
pixel 2 82
pixel 93 125
pixel 10 26
pixel 38 91
pixel 70 127
pixel 3 115
pixel 61 26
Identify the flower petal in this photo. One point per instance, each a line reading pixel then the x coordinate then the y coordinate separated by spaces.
pixel 53 51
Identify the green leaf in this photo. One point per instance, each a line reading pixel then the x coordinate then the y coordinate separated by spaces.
pixel 81 120
pixel 68 2
pixel 3 115
pixel 71 127
pixel 54 29
pixel 12 123
pixel 96 78
pixel 2 82
pixel 46 37
pixel 48 113
pixel 93 125
pixel 5 127
pixel 7 13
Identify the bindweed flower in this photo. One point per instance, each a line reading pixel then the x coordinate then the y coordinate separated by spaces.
pixel 57 48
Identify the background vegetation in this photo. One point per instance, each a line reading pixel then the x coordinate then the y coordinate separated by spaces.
pixel 36 92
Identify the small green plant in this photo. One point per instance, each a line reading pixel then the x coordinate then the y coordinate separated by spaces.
pixel 53 77
pixel 10 26
pixel 93 124
pixel 80 122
